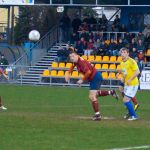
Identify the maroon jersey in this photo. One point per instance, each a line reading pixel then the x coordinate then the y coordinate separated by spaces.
pixel 84 67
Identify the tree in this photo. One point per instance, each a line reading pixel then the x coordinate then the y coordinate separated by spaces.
pixel 41 18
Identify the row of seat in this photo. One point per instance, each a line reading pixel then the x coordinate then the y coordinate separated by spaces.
pixel 103 58
pixel 76 74
pixel 97 66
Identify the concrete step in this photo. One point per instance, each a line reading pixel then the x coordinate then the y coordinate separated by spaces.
pixel 30 77
pixel 34 72
pixel 43 64
pixel 37 69
pixel 49 56
pixel 44 61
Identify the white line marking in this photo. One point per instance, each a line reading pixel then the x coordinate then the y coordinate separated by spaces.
pixel 130 148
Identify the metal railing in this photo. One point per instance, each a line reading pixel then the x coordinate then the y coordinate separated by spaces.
pixel 46 42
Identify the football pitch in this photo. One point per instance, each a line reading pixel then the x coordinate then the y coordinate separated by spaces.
pixel 59 118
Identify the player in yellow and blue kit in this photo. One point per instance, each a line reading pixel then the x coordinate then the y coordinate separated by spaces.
pixel 130 71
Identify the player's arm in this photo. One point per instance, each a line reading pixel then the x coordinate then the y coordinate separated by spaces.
pixel 135 74
pixel 136 70
pixel 85 77
pixel 67 76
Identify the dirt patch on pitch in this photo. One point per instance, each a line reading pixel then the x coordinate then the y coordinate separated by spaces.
pixel 90 118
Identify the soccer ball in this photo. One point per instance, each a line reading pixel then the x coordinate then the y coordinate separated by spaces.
pixel 34 35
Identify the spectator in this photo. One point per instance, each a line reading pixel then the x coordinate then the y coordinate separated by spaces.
pixel 133 53
pixel 103 23
pixel 96 46
pixel 62 55
pixel 89 49
pixel 116 22
pixel 141 60
pixel 74 38
pixel 84 35
pixel 92 20
pixel 76 23
pixel 103 49
pixel 65 24
pixel 81 46
pixel 140 46
pixel 112 48
pixel 132 45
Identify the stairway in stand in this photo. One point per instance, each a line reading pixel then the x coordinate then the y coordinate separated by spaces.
pixel 32 75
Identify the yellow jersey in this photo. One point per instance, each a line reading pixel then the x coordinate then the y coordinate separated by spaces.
pixel 127 69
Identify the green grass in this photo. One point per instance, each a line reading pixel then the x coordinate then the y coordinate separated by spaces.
pixel 46 118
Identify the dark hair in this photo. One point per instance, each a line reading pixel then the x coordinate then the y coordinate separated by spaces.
pixel 124 49
pixel 72 52
pixel 71 49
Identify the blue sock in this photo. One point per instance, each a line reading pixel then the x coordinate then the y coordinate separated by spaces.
pixel 130 108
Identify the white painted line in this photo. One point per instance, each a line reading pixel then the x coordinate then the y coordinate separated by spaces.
pixel 130 148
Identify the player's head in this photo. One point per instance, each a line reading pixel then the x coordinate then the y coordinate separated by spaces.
pixel 73 56
pixel 124 53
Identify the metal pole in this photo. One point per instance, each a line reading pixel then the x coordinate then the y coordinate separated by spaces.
pixel 8 25
pixel 12 25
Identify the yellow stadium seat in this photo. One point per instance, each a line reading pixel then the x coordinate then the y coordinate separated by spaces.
pixel 113 59
pixel 118 67
pixel 105 66
pixel 120 76
pixel 68 65
pixel 62 65
pixel 105 75
pixel 53 73
pixel 98 58
pixel 80 75
pixel 112 75
pixel 112 66
pixel 46 72
pixel 148 52
pixel 119 59
pixel 91 58
pixel 54 65
pixel 84 57
pixel 107 42
pixel 105 58
pixel 60 73
pixel 75 74
pixel 98 66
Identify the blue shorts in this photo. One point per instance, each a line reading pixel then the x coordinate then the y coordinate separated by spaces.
pixel 95 83
pixel 121 84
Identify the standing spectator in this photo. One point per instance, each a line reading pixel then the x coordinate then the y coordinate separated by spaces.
pixel 103 23
pixel 76 23
pixel 116 22
pixel 65 24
